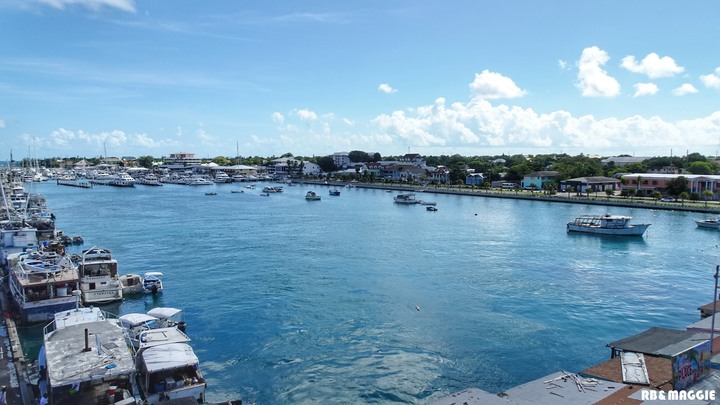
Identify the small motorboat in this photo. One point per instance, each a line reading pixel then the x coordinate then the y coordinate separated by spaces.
pixel 77 240
pixel 211 193
pixel 237 191
pixel 431 208
pixel 131 284
pixel 335 192
pixel 152 282
pixel 312 196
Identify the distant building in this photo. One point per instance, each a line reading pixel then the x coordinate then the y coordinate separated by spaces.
pixel 341 159
pixel 620 161
pixel 474 179
pixel 310 169
pixel 697 183
pixel 598 184
pixel 538 179
pixel 182 158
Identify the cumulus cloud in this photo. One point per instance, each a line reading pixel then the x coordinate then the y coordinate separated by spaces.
pixel 116 141
pixel 385 88
pixel 306 115
pixel 278 118
pixel 652 65
pixel 712 80
pixel 685 88
pixel 645 89
pixel 348 122
pixel 491 85
pixel 593 80
pixel 479 124
pixel 124 5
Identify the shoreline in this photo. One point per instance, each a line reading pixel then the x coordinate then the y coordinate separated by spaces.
pixel 637 202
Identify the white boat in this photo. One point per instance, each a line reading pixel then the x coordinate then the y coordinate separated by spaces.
pixel 169 317
pixel 135 324
pixel 713 223
pixel 41 284
pixel 312 196
pixel 199 181
pixel 407 198
pixel 167 367
pixel 222 177
pixel 131 284
pixel 335 192
pixel 272 189
pixel 99 279
pixel 101 370
pixel 606 225
pixel 152 282
pixel 423 202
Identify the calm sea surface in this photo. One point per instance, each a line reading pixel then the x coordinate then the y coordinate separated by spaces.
pixel 291 301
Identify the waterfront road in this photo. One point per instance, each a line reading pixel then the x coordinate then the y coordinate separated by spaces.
pixel 12 360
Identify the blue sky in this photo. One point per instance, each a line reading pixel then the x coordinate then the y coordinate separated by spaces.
pixel 476 77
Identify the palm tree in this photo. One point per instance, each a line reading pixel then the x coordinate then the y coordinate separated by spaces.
pixel 656 195
pixel 683 196
pixel 707 194
pixel 631 193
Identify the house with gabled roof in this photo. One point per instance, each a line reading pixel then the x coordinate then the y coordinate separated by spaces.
pixel 538 180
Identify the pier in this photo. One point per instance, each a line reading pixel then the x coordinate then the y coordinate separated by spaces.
pixel 12 359
pixel 74 183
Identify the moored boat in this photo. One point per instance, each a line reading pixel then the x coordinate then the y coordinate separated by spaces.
pixel 712 223
pixel 405 198
pixel 41 283
pixel 152 282
pixel 312 196
pixel 335 192
pixel 99 279
pixel 167 367
pixel 606 225
pixel 101 370
pixel 131 284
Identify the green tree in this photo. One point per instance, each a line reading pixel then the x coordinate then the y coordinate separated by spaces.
pixel 631 192
pixel 358 156
pixel 327 164
pixel 145 161
pixel 677 186
pixel 683 196
pixel 656 195
pixel 707 194
pixel 221 161
pixel 609 192
pixel 700 168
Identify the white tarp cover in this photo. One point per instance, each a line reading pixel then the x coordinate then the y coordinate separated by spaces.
pixel 131 320
pixel 169 356
pixel 164 312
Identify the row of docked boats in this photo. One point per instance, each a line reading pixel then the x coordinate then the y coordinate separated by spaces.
pixel 91 356
pixel 42 275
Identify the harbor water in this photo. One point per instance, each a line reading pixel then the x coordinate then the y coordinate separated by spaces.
pixel 355 299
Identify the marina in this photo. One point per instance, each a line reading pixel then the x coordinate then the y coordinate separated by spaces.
pixel 396 314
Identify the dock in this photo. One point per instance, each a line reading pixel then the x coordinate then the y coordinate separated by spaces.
pixel 12 359
pixel 74 183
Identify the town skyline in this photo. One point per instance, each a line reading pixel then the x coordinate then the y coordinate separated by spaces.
pixel 133 78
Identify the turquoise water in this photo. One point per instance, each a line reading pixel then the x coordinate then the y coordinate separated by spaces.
pixel 294 301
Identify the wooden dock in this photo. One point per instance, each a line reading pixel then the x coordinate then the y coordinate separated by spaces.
pixel 74 183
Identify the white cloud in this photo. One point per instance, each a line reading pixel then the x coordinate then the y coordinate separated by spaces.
pixel 712 80
pixel 2 124
pixel 278 118
pixel 124 5
pixel 348 122
pixel 645 89
pixel 685 88
pixel 593 80
pixel 562 64
pixel 306 115
pixel 490 85
pixel 385 88
pixel 652 65
pixel 478 124
pixel 115 142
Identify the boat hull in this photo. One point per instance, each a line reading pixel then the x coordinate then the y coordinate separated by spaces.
pixel 43 311
pixel 632 230
pixel 708 225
